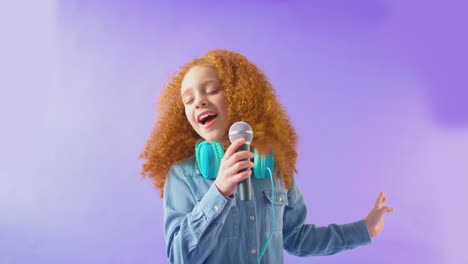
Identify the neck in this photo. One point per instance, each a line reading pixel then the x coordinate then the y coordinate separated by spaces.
pixel 221 140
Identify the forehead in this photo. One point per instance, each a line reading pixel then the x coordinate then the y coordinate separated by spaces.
pixel 198 75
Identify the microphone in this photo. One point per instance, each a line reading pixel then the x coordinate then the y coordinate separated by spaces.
pixel 236 131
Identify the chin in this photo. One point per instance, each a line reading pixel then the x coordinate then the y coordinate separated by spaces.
pixel 212 138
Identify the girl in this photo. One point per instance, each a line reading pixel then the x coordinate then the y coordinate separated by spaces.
pixel 205 222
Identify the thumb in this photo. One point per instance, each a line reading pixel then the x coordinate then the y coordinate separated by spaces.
pixel 383 210
pixel 379 213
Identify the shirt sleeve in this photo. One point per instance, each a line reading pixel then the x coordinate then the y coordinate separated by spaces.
pixel 302 239
pixel 191 227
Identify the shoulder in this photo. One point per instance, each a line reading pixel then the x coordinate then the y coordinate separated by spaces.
pixel 187 167
pixel 181 172
pixel 186 173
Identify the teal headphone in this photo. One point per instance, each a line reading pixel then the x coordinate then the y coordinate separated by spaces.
pixel 209 157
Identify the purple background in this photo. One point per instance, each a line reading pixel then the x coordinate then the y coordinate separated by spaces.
pixel 377 91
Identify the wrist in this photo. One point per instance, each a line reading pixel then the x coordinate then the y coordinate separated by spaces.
pixel 222 192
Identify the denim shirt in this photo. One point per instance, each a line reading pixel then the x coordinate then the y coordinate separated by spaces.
pixel 203 226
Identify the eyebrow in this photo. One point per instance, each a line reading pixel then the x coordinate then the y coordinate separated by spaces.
pixel 203 83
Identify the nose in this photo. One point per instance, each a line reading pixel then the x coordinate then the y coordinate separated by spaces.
pixel 201 102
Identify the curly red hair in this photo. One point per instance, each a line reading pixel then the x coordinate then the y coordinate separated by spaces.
pixel 250 98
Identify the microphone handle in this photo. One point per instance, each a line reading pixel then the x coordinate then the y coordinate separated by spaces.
pixel 245 186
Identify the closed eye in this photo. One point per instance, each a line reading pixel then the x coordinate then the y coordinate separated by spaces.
pixel 214 91
pixel 188 101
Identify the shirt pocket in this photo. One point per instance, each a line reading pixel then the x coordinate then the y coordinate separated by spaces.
pixel 279 201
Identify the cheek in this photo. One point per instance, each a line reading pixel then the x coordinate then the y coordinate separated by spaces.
pixel 188 114
pixel 223 106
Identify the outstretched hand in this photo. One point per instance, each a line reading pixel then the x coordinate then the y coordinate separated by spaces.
pixel 375 219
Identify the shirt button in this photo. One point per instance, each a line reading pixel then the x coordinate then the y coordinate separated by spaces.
pixel 253 251
pixel 252 217
pixel 216 208
pixel 280 199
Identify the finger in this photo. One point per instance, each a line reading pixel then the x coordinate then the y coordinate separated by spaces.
pixel 241 155
pixel 238 166
pixel 386 209
pixel 378 201
pixel 237 157
pixel 233 147
pixel 243 175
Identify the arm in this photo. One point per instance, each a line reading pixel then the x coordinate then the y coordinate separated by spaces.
pixel 302 239
pixel 191 228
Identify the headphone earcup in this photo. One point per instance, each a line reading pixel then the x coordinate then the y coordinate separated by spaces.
pixel 208 157
pixel 261 163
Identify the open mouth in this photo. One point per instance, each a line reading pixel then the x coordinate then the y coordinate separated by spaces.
pixel 207 120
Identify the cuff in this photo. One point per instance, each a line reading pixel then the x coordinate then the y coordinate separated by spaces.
pixel 356 234
pixel 215 206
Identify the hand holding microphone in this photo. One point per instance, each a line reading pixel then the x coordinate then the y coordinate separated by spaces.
pixel 235 167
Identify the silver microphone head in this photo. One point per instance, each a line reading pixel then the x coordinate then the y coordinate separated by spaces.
pixel 241 130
